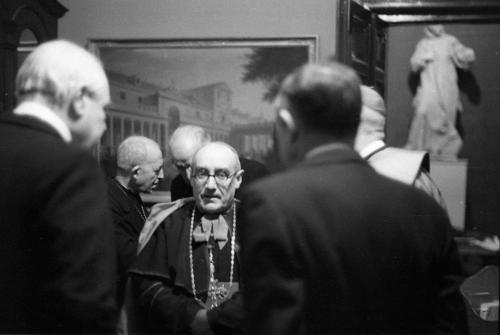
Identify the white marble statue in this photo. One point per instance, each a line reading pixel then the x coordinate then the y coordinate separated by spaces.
pixel 437 101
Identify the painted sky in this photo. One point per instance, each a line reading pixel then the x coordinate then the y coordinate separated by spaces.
pixel 191 67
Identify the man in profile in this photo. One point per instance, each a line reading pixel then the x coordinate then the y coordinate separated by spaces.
pixel 57 253
pixel 332 247
pixel 139 170
pixel 411 167
pixel 185 141
pixel 186 277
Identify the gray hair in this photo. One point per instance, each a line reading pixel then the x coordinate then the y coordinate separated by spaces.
pixel 373 113
pixel 59 71
pixel 188 139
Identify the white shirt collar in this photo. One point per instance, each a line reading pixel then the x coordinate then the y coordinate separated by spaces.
pixel 375 145
pixel 44 114
pixel 326 147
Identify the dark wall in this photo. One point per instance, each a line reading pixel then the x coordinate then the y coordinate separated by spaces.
pixel 480 119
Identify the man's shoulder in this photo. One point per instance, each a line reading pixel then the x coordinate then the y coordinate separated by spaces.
pixel 253 167
pixel 167 215
pixel 167 209
pixel 29 129
pixel 118 200
pixel 275 185
pixel 400 164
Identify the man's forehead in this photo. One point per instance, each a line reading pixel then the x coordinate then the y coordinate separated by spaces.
pixel 215 157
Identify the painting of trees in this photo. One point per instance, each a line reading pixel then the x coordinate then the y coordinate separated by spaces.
pixel 270 65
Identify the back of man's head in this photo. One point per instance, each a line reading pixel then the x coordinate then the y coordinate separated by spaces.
pixel 186 140
pixel 134 151
pixel 71 82
pixel 59 71
pixel 325 98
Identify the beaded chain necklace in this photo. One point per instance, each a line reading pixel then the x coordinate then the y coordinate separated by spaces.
pixel 213 289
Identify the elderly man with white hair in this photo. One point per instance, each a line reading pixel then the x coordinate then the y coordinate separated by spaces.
pixel 57 252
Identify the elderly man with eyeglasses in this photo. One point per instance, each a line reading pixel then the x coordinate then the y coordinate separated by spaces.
pixel 184 142
pixel 186 276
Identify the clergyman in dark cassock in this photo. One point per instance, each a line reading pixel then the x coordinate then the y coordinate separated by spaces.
pixel 186 276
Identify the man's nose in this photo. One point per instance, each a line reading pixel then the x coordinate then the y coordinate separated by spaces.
pixel 160 174
pixel 211 184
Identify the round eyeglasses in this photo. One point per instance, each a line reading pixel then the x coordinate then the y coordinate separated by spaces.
pixel 220 176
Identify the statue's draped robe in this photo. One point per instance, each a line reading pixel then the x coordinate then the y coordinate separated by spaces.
pixel 437 100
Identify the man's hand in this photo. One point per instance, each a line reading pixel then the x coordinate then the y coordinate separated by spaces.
pixel 200 325
pixel 489 243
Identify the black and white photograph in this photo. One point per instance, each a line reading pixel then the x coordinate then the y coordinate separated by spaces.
pixel 235 167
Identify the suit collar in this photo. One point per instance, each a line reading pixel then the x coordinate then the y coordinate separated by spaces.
pixel 325 148
pixel 371 148
pixel 29 122
pixel 45 115
pixel 332 153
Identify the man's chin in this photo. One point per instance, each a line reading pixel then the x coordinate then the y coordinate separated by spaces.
pixel 151 189
pixel 211 207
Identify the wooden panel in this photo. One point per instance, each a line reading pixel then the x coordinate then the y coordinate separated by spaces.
pixel 16 16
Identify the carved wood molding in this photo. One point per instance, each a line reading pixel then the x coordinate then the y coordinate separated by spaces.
pixel 39 16
pixel 405 11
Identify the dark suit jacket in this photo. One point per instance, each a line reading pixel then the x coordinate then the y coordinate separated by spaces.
pixel 331 247
pixel 56 243
pixel 128 223
pixel 253 171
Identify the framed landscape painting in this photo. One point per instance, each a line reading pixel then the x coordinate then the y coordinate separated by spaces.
pixel 223 85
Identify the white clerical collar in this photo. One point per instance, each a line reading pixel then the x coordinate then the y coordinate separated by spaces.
pixel 326 147
pixel 372 147
pixel 44 114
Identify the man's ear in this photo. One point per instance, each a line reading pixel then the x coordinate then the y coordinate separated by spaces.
pixel 238 178
pixel 286 118
pixel 76 108
pixel 188 172
pixel 135 170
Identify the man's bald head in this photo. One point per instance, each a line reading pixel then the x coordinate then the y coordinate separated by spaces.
pixel 140 163
pixel 219 151
pixel 136 150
